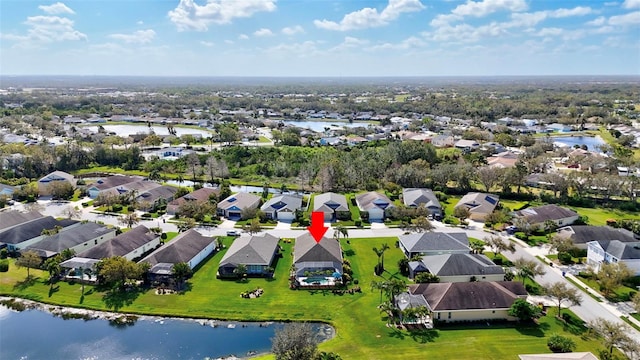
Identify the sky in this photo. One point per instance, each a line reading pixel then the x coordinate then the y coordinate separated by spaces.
pixel 338 38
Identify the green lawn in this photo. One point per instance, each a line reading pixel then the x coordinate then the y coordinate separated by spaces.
pixel 599 216
pixel 361 330
pixel 622 293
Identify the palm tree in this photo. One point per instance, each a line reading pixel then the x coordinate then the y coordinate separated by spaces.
pixel 384 248
pixel 340 230
pixel 379 253
pixel 240 270
pixel 389 309
pixel 129 219
pixel 181 271
pixel 379 285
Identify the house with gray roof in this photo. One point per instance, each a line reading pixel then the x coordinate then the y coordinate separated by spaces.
pixel 537 216
pixel 130 245
pixel 580 235
pixel 20 236
pixel 416 197
pixel 479 204
pixel 374 204
pixel 155 197
pixel 464 301
pixel 189 247
pixel 334 206
pixel 232 206
pixel 318 260
pixel 257 253
pixel 109 182
pixel 614 251
pixel 282 207
pixel 11 218
pixel 56 176
pixel 7 190
pixel 78 238
pixel 202 194
pixel 434 243
pixel 462 268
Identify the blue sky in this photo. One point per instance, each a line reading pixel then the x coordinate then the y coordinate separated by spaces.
pixel 320 37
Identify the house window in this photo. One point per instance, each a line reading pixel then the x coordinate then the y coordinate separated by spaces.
pixel 449 315
pixel 438 316
pixel 95 242
pixel 493 312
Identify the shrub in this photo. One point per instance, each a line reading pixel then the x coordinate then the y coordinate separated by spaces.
pixel 358 223
pixel 146 215
pixel 497 260
pixel 560 344
pixel 4 253
pixel 565 258
pixel 85 204
pixel 4 266
pixel 116 208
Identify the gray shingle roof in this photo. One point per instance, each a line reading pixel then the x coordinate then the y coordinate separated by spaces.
pixel 12 218
pixel 621 250
pixel 32 229
pixel 435 241
pixel 372 199
pixel 461 264
pixel 251 250
pixel 160 192
pixel 240 200
pixel 74 236
pixel 329 202
pixel 113 181
pixel 121 244
pixel 540 214
pixel 469 295
pixel 306 249
pixel 582 234
pixel 201 194
pixel 283 202
pixel 479 202
pixel 181 249
pixel 57 175
pixel 417 196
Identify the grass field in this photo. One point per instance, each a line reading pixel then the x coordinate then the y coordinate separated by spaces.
pixel 361 331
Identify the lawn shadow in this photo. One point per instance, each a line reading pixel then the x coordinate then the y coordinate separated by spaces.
pixel 397 333
pixel 21 285
pixel 531 329
pixel 53 290
pixel 186 287
pixel 81 299
pixel 349 252
pixel 572 324
pixel 424 336
pixel 116 299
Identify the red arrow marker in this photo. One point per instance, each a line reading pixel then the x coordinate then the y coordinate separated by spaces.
pixel 317 228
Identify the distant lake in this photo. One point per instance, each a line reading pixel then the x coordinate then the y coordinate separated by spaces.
pixel 319 126
pixel 592 142
pixel 35 334
pixel 126 130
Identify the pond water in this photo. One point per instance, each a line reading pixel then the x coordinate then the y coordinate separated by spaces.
pixel 592 142
pixel 234 188
pixel 126 130
pixel 35 334
pixel 319 126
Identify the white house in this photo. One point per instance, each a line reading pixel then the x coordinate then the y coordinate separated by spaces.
pixel 190 247
pixel 614 251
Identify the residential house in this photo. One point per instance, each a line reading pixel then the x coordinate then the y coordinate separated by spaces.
pixel 479 204
pixel 156 196
pixel 109 182
pixel 538 216
pixel 130 245
pixel 461 268
pixel 78 268
pixel 282 207
pixel 580 235
pixel 434 243
pixel 232 206
pixel 200 195
pixel 189 247
pixel 320 261
pixel 20 236
pixel 257 253
pixel 172 153
pixel 334 206
pixel 467 145
pixel 415 197
pixel 464 301
pixel 614 251
pixel 559 356
pixel 45 182
pixel 7 190
pixel 502 160
pixel 374 204
pixel 11 218
pixel 77 238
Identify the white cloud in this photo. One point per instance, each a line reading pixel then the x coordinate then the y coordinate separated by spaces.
pixel 406 44
pixel 140 22
pixel 57 8
pixel 292 30
pixel 243 37
pixel 599 21
pixel 206 43
pixel 303 49
pixel 349 43
pixel 369 17
pixel 550 32
pixel 137 37
pixel 228 42
pixel 51 29
pixel 629 19
pixel 188 15
pixel 631 4
pixel 263 32
pixel 486 7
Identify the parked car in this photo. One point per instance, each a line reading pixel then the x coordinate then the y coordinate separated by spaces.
pixel 233 233
pixel 511 229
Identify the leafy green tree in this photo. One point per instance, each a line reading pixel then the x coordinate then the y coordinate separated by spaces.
pixel 240 270
pixel 462 213
pixel 61 190
pixel 560 244
pixel 560 292
pixel 295 341
pixel 612 334
pixel 498 245
pixel 52 265
pixel 524 311
pixel 477 246
pixel 30 260
pixel 426 277
pixel 611 275
pixel 117 271
pixel 528 269
pixel 560 344
pixel 186 224
pixel 181 271
pixel 253 227
pixel 129 219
